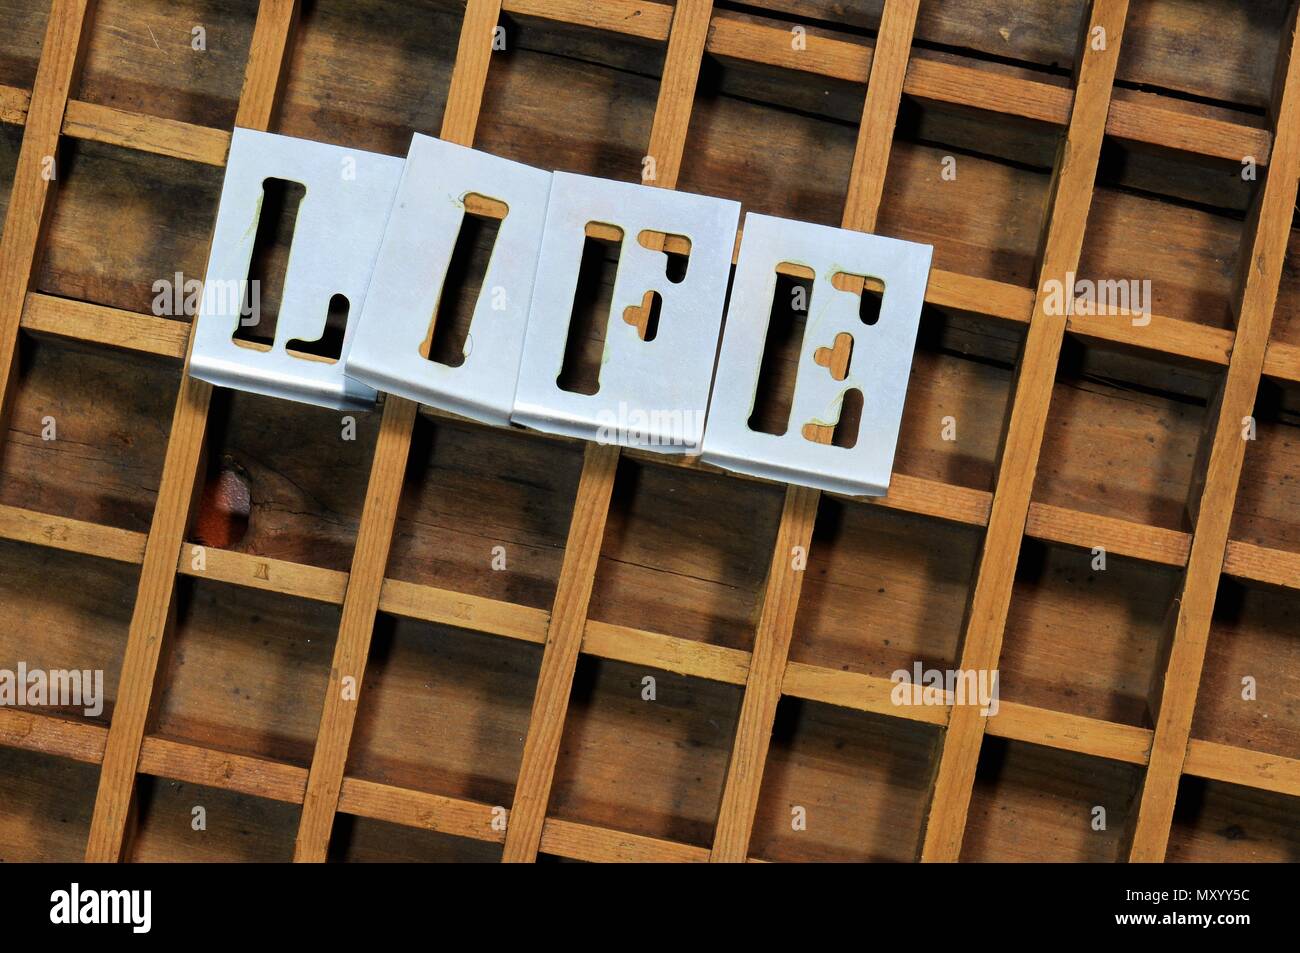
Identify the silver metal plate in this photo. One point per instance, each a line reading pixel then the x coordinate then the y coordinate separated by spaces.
pixel 337 232
pixel 412 268
pixel 652 393
pixel 879 363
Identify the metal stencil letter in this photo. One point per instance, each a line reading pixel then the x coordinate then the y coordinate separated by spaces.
pixel 631 365
pixel 456 209
pixel 280 324
pixel 849 303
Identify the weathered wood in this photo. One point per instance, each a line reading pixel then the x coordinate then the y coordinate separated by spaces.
pixel 112 326
pixel 1061 788
pixel 168 137
pixel 37 168
pixel 563 641
pixel 145 131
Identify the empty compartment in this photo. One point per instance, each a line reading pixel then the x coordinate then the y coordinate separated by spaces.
pixel 686 554
pixel 1083 639
pixel 799 166
pixel 1036 804
pixel 571 98
pixel 444 710
pixel 1167 230
pixel 88 429
pixel 1215 822
pixel 1165 44
pixel 22 33
pixel 842 785
pixel 1249 695
pixel 179 821
pixel 1122 435
pixel 973 184
pixel 408 50
pixel 159 213
pixel 45 807
pixel 1043 34
pixel 958 397
pixel 245 671
pixel 644 751
pixel 178 59
pixel 883 590
pixel 1267 509
pixel 283 479
pixel 66 613
pixel 485 512
pixel 362 840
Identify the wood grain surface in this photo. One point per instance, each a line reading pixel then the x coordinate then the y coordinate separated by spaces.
pixel 502 714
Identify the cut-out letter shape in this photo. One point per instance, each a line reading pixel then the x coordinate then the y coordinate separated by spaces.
pixel 852 359
pixel 447 310
pixel 625 355
pixel 291 259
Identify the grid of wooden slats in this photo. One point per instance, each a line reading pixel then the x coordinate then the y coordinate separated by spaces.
pixel 1087 112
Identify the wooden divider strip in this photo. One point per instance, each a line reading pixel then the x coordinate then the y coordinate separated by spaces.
pixel 165 137
pixel 599 846
pixel 434 812
pixel 1152 117
pixel 560 656
pixel 690 21
pixel 647 19
pixel 1263 260
pixel 268 59
pixel 153 601
pixel 1282 361
pixel 986 615
pixel 464 610
pixel 1258 563
pixel 31 731
pixel 769 44
pixel 981 89
pixel 1054 729
pixel 71 535
pixel 766 674
pixel 36 171
pixel 1159 333
pixel 871 693
pixel 924 497
pixel 352 647
pixel 676 100
pixel 984 296
pixel 1252 769
pixel 799 513
pixel 1055 524
pixel 383 493
pixel 259 777
pixel 1141 116
pixel 264 573
pixel 669 653
pixel 97 324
